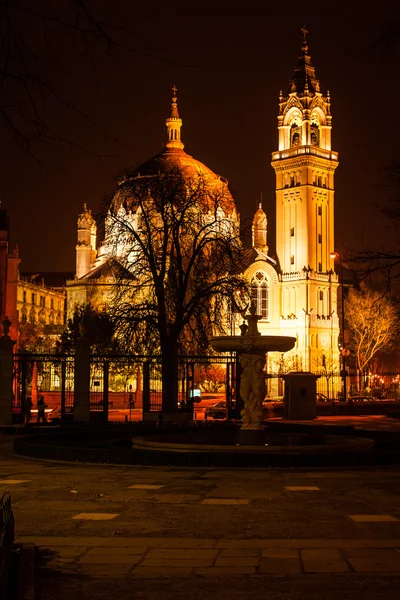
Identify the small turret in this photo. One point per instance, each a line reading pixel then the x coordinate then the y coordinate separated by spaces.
pixel 174 124
pixel 86 246
pixel 259 230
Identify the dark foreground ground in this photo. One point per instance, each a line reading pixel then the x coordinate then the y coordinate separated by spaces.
pixel 165 533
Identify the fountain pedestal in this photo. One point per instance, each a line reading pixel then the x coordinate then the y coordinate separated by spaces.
pixel 251 348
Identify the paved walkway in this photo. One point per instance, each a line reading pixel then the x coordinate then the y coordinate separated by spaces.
pixel 101 529
pixel 184 557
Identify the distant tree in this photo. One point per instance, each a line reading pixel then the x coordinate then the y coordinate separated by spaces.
pixel 99 329
pixel 177 247
pixel 32 337
pixel 373 322
pixel 211 377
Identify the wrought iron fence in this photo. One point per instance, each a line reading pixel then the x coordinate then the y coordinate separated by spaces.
pixel 131 385
pixel 6 540
pixel 47 375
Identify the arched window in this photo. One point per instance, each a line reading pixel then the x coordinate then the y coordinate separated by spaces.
pixel 259 294
pixel 314 134
pixel 295 135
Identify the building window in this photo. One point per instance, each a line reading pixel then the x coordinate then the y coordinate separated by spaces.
pixel 320 211
pixel 320 238
pixel 292 259
pixel 52 303
pixel 41 300
pixel 321 295
pixel 259 294
pixel 292 232
pixel 23 316
pixel 24 296
pixel 320 267
pixel 33 298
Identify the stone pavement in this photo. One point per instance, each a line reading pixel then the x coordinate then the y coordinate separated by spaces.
pixel 201 533
pixel 174 557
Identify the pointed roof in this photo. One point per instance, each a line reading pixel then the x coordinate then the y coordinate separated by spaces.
pixel 304 79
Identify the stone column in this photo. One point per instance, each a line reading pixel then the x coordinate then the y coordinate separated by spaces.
pixel 6 372
pixel 82 381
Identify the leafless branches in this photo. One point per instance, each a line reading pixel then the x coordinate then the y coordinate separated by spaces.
pixel 42 45
pixel 176 239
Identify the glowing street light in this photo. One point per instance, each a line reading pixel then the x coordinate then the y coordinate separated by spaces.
pixel 344 351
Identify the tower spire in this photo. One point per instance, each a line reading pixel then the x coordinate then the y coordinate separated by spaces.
pixel 174 124
pixel 304 78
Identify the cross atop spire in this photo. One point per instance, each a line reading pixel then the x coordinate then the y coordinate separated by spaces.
pixel 174 90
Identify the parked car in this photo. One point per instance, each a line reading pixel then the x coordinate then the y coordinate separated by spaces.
pixel 216 411
pixel 378 393
pixel 322 398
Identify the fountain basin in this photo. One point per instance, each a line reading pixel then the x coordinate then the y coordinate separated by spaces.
pixel 252 343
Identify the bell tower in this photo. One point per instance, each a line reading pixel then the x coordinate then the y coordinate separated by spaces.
pixel 304 166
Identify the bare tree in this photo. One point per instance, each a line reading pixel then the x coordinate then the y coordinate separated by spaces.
pixel 174 239
pixel 373 323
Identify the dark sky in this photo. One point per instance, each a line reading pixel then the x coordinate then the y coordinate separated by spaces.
pixel 229 69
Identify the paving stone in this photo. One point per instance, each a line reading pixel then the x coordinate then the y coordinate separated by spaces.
pixel 239 553
pixel 281 566
pixel 14 481
pixel 280 553
pixel 118 550
pixel 372 565
pixel 176 562
pixel 323 561
pixel 302 488
pixel 189 553
pixel 95 516
pixel 225 501
pixel 144 486
pixel 374 553
pixel 109 559
pixel 71 551
pixel 222 571
pixel 372 518
pixel 111 571
pixel 237 562
pixel 158 572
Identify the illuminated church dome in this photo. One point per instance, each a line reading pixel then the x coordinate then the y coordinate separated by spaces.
pixel 173 157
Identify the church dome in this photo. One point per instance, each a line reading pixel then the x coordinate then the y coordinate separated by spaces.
pixel 173 157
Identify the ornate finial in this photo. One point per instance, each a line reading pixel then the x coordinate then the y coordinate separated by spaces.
pixel 280 96
pixel 84 207
pixel 174 124
pixel 260 205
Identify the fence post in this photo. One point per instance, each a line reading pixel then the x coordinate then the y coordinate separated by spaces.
pixel 63 386
pixel 6 375
pixel 106 368
pixel 146 387
pixel 82 380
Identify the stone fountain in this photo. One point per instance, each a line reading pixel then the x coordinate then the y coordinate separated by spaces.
pixel 251 348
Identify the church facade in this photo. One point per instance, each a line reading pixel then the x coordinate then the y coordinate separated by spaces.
pixel 295 287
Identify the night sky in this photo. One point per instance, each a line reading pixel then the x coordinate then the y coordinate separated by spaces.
pixel 228 69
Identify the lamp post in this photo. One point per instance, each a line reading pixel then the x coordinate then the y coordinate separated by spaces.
pixel 343 353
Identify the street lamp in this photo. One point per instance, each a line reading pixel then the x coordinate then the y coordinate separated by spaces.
pixel 343 372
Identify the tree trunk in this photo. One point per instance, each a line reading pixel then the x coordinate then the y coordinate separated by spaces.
pixel 169 371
